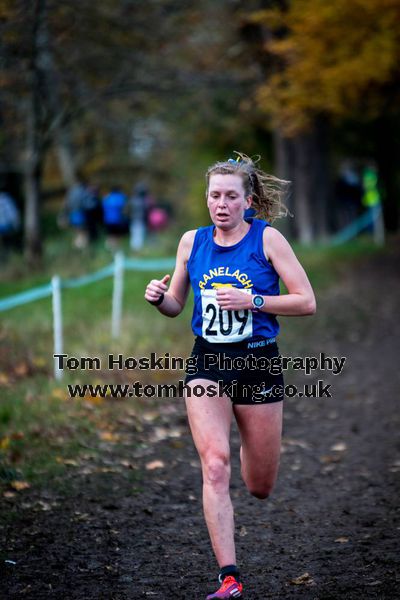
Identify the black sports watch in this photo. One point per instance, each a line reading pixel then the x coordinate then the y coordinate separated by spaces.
pixel 257 302
pixel 157 302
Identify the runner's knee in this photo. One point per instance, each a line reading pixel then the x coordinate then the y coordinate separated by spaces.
pixel 216 469
pixel 262 492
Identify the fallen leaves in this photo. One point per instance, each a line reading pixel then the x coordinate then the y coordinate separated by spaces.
pixel 109 436
pixel 128 464
pixel 339 447
pixel 6 440
pixel 150 416
pixel 155 464
pixel 330 460
pixel 19 485
pixel 22 369
pixel 286 442
pixel 4 443
pixel 4 379
pixel 160 434
pixel 59 394
pixel 18 371
pixel 39 362
pixel 89 400
pixel 46 506
pixel 395 466
pixel 67 461
pixel 80 516
pixel 304 579
pixel 9 494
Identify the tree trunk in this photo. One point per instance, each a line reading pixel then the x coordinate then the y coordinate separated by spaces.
pixel 387 153
pixel 44 104
pixel 312 183
pixel 284 169
pixel 32 185
pixel 33 242
pixel 65 157
pixel 50 80
pixel 322 192
pixel 303 187
pixel 34 150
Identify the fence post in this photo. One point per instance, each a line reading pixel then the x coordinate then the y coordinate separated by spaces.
pixel 57 323
pixel 117 295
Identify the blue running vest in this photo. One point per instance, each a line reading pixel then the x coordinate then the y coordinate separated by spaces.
pixel 242 265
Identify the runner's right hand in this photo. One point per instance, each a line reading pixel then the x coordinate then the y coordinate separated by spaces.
pixel 156 287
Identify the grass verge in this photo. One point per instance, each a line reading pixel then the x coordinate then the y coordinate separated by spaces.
pixel 41 429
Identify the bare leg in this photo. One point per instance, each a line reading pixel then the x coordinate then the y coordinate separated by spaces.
pixel 260 429
pixel 210 422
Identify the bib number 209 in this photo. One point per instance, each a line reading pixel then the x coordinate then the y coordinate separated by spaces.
pixel 224 325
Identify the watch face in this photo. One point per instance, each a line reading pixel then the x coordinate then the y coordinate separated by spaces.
pixel 258 301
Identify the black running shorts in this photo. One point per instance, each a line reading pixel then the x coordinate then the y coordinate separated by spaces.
pixel 248 372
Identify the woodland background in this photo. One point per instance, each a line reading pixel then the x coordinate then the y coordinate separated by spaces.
pixel 122 90
pixel 97 492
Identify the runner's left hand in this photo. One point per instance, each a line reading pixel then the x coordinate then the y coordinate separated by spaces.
pixel 233 299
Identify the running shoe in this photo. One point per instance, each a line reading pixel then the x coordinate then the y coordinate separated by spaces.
pixel 230 588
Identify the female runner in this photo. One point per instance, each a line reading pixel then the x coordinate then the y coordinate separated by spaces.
pixel 234 268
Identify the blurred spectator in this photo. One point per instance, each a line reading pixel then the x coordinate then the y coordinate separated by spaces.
pixel 10 220
pixel 372 202
pixel 93 212
pixel 371 196
pixel 158 218
pixel 139 207
pixel 348 193
pixel 76 201
pixel 114 216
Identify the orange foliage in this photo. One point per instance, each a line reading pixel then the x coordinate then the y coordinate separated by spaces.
pixel 334 58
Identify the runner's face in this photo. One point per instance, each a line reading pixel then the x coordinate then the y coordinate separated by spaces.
pixel 226 200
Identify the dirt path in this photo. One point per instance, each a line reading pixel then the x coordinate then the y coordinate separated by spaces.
pixel 329 531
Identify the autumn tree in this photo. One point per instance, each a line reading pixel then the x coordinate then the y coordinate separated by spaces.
pixel 84 78
pixel 64 61
pixel 337 61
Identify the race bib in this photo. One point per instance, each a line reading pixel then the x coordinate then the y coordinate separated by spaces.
pixel 224 325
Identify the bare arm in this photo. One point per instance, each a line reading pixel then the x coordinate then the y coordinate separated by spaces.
pixel 300 299
pixel 175 297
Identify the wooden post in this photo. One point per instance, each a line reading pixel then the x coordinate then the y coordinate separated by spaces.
pixel 57 324
pixel 117 295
